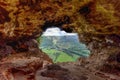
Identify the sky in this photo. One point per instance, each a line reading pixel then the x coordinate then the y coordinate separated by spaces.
pixel 54 31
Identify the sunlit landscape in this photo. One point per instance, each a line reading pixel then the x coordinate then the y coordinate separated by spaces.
pixel 62 46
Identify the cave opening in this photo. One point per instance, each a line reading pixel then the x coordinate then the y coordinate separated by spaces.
pixel 48 24
pixel 62 46
pixel 59 23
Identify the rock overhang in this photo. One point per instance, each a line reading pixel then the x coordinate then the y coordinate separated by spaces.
pixel 26 19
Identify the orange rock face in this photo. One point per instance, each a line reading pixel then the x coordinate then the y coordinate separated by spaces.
pixel 21 18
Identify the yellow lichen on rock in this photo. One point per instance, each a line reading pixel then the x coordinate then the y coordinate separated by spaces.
pixel 21 18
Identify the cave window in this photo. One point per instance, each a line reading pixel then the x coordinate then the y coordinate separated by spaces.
pixel 59 23
pixel 62 46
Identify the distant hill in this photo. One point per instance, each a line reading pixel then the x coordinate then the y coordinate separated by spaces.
pixel 63 48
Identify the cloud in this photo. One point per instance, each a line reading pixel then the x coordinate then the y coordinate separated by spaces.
pixel 54 31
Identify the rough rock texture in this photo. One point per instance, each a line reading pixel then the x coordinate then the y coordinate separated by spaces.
pixel 20 18
pixel 21 60
pixel 105 51
pixel 66 71
pixel 96 21
pixel 23 65
pixel 24 19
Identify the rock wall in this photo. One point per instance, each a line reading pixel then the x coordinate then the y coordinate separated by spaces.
pixel 24 19
pixel 105 51
pixel 21 21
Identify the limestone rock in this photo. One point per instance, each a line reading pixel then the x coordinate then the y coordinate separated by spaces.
pixel 24 19
pixel 21 67
pixel 21 18
pixel 105 51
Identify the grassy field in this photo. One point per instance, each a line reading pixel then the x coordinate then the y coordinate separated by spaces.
pixel 59 56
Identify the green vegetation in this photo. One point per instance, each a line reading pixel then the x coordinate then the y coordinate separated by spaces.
pixel 63 48
pixel 59 56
